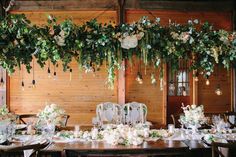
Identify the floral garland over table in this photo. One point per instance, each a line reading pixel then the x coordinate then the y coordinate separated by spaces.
pixel 93 44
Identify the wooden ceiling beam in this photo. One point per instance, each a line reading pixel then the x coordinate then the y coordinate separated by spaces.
pixel 65 5
pixel 209 5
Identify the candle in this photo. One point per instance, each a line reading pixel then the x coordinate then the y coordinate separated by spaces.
pixel 77 128
pixel 171 128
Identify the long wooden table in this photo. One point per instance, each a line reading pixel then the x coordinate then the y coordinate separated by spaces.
pixel 160 147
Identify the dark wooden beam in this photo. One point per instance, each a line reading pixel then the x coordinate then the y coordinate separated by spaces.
pixel 209 5
pixel 65 5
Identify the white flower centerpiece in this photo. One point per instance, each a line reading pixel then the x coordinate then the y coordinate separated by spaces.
pixel 51 115
pixel 6 120
pixel 193 116
pixel 5 115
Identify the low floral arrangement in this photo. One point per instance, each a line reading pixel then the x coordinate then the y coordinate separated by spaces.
pixel 52 114
pixel 5 115
pixel 193 116
pixel 119 135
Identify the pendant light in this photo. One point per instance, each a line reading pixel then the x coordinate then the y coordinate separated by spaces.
pixel 218 90
pixel 207 80
pixel 49 70
pixel 139 77
pixel 70 74
pixel 196 76
pixel 54 73
pixel 33 81
pixel 22 79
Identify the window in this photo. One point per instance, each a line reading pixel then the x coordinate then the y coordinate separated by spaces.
pixel 178 81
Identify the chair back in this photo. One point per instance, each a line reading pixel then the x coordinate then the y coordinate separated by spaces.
pixel 64 120
pixel 108 113
pixel 175 120
pixel 133 113
pixel 25 118
pixel 230 117
pixel 223 149
pixel 17 150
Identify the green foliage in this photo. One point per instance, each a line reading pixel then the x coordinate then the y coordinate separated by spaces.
pixel 93 44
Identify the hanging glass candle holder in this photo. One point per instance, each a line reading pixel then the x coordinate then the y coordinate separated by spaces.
pixel 139 78
pixel 218 90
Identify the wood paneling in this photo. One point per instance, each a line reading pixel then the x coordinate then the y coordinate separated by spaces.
pixel 207 95
pixel 181 17
pixel 78 17
pixel 64 5
pixel 78 97
pixel 146 93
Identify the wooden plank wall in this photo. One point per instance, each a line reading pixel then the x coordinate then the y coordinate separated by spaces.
pixel 78 97
pixel 207 96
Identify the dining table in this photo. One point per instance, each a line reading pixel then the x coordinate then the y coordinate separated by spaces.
pixel 176 144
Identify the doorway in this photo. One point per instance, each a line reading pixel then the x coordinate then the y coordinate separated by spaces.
pixel 178 89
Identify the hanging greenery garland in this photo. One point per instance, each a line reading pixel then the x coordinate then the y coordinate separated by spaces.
pixel 93 44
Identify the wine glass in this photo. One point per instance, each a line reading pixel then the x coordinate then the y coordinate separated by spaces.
pixel 48 131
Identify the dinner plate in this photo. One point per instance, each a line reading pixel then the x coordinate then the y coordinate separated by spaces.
pixel 216 139
pixel 20 126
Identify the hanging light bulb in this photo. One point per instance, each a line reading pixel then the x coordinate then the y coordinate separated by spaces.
pixel 22 86
pixel 70 74
pixel 22 79
pixel 33 83
pixel 218 90
pixel 49 73
pixel 139 78
pixel 54 75
pixel 161 84
pixel 196 76
pixel 153 79
pixel 207 80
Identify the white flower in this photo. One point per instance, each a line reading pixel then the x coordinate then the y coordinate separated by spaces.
pixel 184 36
pixel 129 42
pixel 174 35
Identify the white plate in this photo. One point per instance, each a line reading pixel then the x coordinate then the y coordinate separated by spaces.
pixel 20 126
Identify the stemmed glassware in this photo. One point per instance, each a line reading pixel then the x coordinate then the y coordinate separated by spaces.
pixel 48 131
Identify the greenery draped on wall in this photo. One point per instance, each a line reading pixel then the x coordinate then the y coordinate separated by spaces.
pixel 93 44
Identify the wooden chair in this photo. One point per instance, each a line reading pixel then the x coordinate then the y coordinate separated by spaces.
pixel 216 149
pixel 17 150
pixel 65 120
pixel 175 120
pixel 230 117
pixel 133 113
pixel 108 113
pixel 24 118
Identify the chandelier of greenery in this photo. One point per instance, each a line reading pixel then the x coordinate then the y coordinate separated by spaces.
pixel 93 44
